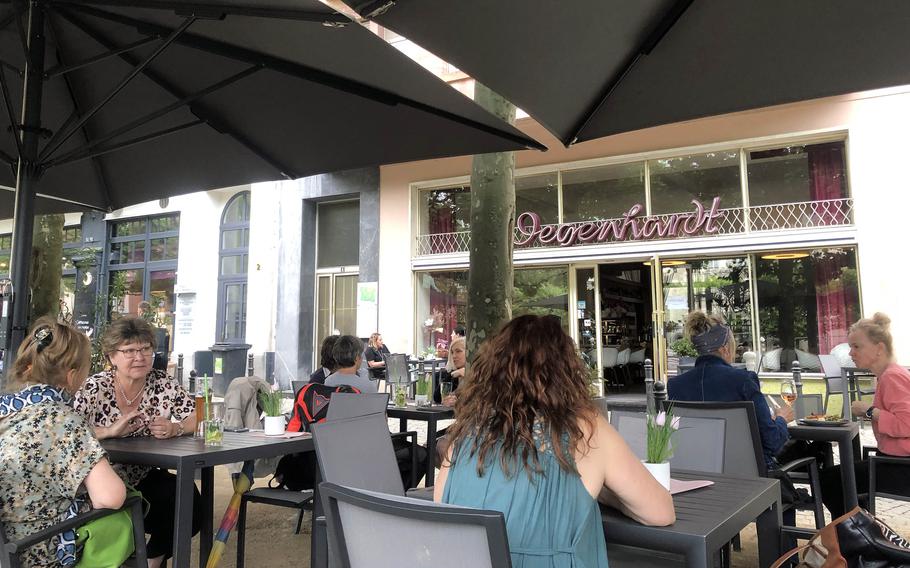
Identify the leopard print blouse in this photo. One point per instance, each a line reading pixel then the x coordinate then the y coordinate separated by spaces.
pixel 163 396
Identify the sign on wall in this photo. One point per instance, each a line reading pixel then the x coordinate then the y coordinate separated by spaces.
pixel 367 313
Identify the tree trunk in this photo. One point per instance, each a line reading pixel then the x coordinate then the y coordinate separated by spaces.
pixel 492 223
pixel 47 265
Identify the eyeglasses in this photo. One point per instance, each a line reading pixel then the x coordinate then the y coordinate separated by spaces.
pixel 133 353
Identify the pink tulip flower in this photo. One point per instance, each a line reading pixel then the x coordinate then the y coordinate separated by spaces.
pixel 661 418
pixel 675 423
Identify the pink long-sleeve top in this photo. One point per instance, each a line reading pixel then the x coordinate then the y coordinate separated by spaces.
pixel 892 399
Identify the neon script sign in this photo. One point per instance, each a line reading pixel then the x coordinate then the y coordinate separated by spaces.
pixel 630 227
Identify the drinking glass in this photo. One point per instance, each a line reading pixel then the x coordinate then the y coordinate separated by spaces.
pixel 788 392
pixel 214 432
pixel 445 389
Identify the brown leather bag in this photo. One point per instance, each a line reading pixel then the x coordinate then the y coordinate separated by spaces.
pixel 855 540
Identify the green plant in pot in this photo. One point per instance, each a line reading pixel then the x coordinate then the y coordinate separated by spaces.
pixel 422 390
pixel 270 401
pixel 683 347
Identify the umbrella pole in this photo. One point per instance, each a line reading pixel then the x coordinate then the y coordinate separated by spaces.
pixel 27 177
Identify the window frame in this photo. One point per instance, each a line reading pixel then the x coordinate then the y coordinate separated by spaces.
pixel 239 278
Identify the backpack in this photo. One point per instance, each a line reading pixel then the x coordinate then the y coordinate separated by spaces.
pixel 297 472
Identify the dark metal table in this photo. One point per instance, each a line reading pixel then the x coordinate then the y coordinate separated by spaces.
pixel 707 519
pixel 431 415
pixel 185 455
pixel 848 446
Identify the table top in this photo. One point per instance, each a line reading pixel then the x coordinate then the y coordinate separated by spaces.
pixel 437 412
pixel 842 433
pixel 172 452
pixel 715 513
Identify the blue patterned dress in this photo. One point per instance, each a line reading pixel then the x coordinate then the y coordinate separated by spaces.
pixel 551 519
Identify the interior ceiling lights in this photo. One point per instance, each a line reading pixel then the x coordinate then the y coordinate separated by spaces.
pixel 784 255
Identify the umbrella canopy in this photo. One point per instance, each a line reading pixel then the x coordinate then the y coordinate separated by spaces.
pixel 108 103
pixel 590 68
pixel 251 91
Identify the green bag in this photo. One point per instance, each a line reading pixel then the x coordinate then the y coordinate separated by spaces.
pixel 107 541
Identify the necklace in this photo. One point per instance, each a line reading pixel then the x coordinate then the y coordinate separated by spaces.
pixel 130 401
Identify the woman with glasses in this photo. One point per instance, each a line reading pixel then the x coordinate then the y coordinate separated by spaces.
pixel 131 398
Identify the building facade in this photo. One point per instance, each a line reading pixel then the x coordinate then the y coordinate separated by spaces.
pixel 783 220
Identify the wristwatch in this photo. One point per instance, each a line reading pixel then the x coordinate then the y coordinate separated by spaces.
pixel 869 412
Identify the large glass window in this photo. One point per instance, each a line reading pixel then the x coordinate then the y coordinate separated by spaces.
pixel 540 194
pixel 807 301
pixel 442 300
pixel 714 286
pixel 605 192
pixel 811 172
pixel 234 248
pixel 542 292
pixel 336 306
pixel 675 182
pixel 142 267
pixel 338 234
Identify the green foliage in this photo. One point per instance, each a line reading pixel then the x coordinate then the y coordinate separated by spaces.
pixel 423 385
pixel 105 310
pixel 270 401
pixel 684 347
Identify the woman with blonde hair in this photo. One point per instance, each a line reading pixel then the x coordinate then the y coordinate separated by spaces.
pixel 871 347
pixel 374 355
pixel 49 457
pixel 452 373
pixel 529 442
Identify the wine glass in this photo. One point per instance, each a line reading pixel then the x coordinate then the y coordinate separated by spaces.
pixel 788 392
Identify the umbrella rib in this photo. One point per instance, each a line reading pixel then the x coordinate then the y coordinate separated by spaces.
pixel 304 72
pixel 8 103
pixel 667 21
pixel 97 166
pixel 62 69
pixel 199 109
pixel 210 10
pixel 66 158
pixel 86 154
pixel 62 138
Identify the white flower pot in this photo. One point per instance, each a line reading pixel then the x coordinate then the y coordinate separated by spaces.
pixel 274 425
pixel 661 472
pixel 422 400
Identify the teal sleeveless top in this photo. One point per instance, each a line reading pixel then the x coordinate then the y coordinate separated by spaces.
pixel 551 519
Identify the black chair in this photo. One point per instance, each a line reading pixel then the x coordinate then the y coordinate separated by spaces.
pixel 875 460
pixel 451 536
pixel 10 550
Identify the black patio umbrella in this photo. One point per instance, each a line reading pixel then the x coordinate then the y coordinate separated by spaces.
pixel 126 101
pixel 590 68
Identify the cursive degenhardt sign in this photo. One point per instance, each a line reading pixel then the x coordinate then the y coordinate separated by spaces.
pixel 629 227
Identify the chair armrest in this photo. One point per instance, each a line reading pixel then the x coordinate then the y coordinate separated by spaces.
pixel 797 464
pixel 408 434
pixel 899 460
pixel 869 450
pixel 75 522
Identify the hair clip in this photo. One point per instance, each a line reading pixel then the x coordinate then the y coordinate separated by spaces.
pixel 43 338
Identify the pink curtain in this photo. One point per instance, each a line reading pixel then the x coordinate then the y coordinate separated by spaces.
pixel 834 306
pixel 826 178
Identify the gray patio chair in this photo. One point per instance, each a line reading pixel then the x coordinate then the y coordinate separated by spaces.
pixel 875 460
pixel 10 550
pixel 834 382
pixel 297 385
pixel 437 535
pixel 630 423
pixel 742 449
pixel 355 452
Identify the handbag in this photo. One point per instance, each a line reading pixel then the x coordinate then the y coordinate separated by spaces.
pixel 107 541
pixel 854 540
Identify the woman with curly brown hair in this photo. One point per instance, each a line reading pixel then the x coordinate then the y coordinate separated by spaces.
pixel 529 442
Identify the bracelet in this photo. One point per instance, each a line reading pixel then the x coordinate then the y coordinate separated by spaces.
pixel 180 429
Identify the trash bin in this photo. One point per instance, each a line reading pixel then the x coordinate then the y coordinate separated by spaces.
pixel 228 363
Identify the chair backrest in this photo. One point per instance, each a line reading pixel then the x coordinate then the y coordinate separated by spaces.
pixel 433 534
pixel 742 449
pixel 637 356
pixel 698 445
pixel 351 405
pixel 623 357
pixel 812 403
pixel 630 423
pixel 358 452
pixel 297 385
pixel 834 381
pixel 396 365
pixel 608 356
